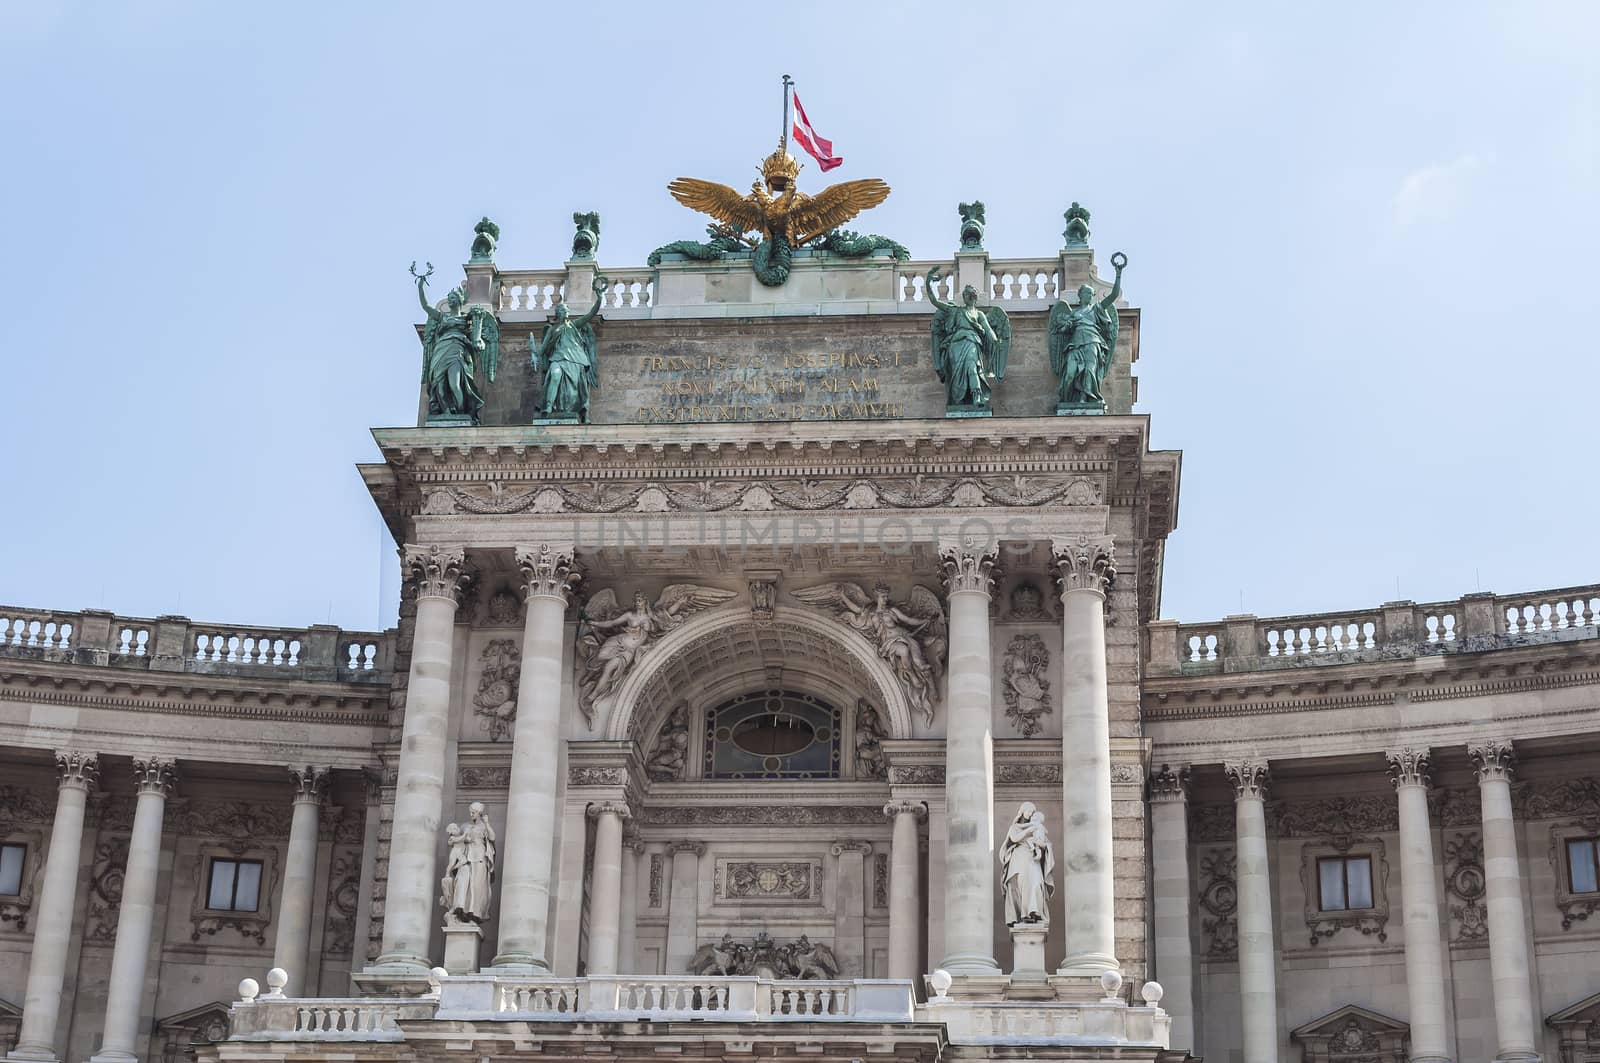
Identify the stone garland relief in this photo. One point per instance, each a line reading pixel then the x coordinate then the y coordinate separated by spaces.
pixel 655 880
pixel 1219 904
pixel 1017 774
pixel 495 703
pixel 919 492
pixel 483 778
pixel 880 880
pixel 1025 683
pixel 593 775
pixel 1466 885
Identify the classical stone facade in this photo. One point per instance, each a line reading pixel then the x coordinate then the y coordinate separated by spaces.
pixel 748 676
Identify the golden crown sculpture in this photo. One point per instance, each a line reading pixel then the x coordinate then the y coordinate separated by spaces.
pixel 780 164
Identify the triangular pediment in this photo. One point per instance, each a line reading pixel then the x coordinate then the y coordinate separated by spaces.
pixel 1335 1021
pixel 1584 1011
pixel 212 1016
pixel 9 1010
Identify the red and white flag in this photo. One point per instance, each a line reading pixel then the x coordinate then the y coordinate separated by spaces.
pixel 806 137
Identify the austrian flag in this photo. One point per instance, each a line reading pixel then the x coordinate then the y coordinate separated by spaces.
pixel 806 137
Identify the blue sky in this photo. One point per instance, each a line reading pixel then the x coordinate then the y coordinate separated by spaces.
pixel 1362 235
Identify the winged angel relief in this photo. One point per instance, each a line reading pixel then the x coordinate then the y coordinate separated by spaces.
pixel 782 217
pixel 910 636
pixel 611 640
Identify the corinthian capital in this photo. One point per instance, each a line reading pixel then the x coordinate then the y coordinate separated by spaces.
pixel 1084 563
pixel 154 775
pixel 309 782
pixel 1410 767
pixel 1170 785
pixel 1249 778
pixel 619 809
pixel 77 769
pixel 547 571
pixel 1493 760
pixel 968 566
pixel 439 571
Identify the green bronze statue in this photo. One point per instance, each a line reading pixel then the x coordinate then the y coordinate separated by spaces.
pixel 1083 338
pixel 565 355
pixel 970 346
pixel 452 339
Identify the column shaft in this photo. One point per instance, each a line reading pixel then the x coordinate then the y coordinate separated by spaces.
pixel 135 915
pixel 1258 986
pixel 531 809
pixel 628 912
pixel 970 869
pixel 412 883
pixel 1508 928
pixel 369 873
pixel 1087 882
pixel 904 895
pixel 1420 903
pixel 291 951
pixel 683 906
pixel 1169 846
pixel 605 893
pixel 850 908
pixel 52 916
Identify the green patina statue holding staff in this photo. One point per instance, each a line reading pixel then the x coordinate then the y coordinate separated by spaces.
pixel 1083 339
pixel 452 339
pixel 566 356
pixel 971 344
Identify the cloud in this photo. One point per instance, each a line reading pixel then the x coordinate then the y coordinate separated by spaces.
pixel 1435 191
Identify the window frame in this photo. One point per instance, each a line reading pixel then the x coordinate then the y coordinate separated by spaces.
pixel 1593 842
pixel 22 866
pixel 1344 860
pixel 236 862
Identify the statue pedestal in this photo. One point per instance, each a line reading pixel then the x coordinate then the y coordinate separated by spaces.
pixel 569 418
pixel 1079 409
pixel 1027 950
pixel 968 411
pixel 461 941
pixel 450 420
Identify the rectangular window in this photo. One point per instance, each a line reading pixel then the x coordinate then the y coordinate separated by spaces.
pixel 12 856
pixel 235 886
pixel 1344 883
pixel 1583 865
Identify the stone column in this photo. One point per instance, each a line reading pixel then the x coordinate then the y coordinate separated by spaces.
pixel 905 900
pixel 1258 975
pixel 369 869
pixel 628 914
pixel 531 811
pixel 683 906
pixel 153 780
pixel 52 917
pixel 412 887
pixel 1169 847
pixel 1508 928
pixel 293 946
pixel 970 868
pixel 850 908
pixel 1409 770
pixel 1086 569
pixel 605 893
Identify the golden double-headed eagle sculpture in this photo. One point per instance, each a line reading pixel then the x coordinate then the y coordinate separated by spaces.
pixel 775 209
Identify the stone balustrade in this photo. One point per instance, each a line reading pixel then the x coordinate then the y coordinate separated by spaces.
pixel 178 644
pixel 1394 630
pixel 326 1019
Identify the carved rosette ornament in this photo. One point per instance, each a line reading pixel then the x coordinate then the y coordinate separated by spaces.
pixel 1084 563
pixel 1410 767
pixel 968 567
pixel 154 775
pixel 1170 785
pixel 78 769
pixel 1493 760
pixel 1249 778
pixel 310 782
pixel 547 572
pixel 438 571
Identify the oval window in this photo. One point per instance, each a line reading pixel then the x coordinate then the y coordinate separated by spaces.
pixel 773 734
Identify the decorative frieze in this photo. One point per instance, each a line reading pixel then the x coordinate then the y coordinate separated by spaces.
pixel 1025 683
pixel 477 777
pixel 1084 563
pixel 764 815
pixel 917 775
pixel 1336 818
pixel 596 775
pixel 234 824
pixel 761 881
pixel 495 702
pixel 547 571
pixel 1026 773
pixel 437 571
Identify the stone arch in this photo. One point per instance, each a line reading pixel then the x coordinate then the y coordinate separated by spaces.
pixel 787 625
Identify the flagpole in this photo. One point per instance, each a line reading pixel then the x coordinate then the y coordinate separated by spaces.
pixel 783 140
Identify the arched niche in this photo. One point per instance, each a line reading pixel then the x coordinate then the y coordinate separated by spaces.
pixel 721 654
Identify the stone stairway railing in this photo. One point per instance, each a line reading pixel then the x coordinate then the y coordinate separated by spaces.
pixel 1394 630
pixel 178 644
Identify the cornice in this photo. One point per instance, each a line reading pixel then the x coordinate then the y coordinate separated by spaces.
pixel 176 693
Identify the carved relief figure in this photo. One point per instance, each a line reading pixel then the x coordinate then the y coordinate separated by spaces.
pixel 465 889
pixel 911 637
pixel 869 742
pixel 670 753
pixel 496 699
pixel 970 346
pixel 810 960
pixel 566 356
pixel 1026 690
pixel 1029 863
pixel 724 958
pixel 1083 338
pixel 614 638
pixel 452 339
